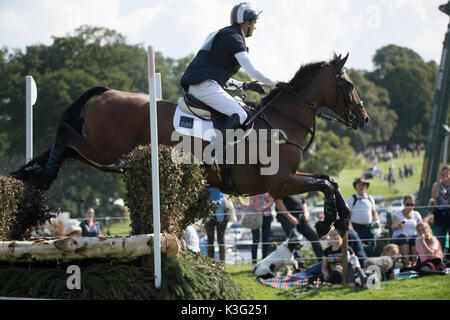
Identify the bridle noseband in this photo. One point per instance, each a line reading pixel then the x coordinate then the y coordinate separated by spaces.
pixel 330 117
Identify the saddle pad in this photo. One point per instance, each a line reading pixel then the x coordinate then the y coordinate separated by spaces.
pixel 187 124
pixel 292 281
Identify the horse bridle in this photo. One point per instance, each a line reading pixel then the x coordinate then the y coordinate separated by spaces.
pixel 333 118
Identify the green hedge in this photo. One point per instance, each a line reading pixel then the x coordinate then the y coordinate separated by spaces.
pixel 22 208
pixel 184 197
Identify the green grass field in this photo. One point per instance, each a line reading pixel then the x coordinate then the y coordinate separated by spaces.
pixel 424 288
pixel 380 187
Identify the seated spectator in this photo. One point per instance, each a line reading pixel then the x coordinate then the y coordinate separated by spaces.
pixel 392 251
pixel 429 251
pixel 332 261
pixel 404 224
pixel 292 212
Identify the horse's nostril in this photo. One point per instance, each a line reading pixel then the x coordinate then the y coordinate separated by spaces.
pixel 366 119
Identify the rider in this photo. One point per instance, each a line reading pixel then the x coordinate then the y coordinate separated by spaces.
pixel 220 57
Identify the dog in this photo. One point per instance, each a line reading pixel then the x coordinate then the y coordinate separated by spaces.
pixel 282 256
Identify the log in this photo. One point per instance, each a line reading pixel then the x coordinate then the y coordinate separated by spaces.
pixel 76 248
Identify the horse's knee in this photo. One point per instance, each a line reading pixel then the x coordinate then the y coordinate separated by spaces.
pixel 327 188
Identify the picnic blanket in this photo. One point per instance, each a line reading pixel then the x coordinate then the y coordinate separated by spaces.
pixel 294 280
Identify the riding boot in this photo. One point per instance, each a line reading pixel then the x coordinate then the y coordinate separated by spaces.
pixel 323 227
pixel 231 123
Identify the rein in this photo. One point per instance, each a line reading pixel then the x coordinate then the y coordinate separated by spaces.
pixel 329 117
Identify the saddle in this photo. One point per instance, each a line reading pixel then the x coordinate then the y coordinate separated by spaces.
pixel 191 105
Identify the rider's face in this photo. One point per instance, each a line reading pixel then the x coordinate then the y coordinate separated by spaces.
pixel 248 27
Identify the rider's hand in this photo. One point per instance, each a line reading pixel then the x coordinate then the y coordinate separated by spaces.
pixel 254 86
pixel 281 85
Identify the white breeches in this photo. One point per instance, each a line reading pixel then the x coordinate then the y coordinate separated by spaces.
pixel 211 93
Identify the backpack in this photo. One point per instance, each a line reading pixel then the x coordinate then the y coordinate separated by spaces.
pixel 355 199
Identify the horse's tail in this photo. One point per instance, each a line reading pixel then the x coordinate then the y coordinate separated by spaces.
pixel 73 114
pixel 43 169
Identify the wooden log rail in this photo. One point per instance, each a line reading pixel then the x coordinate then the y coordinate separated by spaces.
pixel 76 248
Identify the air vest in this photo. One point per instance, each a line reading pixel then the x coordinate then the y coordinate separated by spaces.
pixel 212 61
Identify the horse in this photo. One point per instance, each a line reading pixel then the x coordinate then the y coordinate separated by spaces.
pixel 116 122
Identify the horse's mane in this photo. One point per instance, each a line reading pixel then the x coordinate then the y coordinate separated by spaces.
pixel 299 80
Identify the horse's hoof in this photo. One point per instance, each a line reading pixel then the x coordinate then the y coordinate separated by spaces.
pixel 341 226
pixel 322 228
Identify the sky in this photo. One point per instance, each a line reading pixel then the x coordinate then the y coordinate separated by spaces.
pixel 288 34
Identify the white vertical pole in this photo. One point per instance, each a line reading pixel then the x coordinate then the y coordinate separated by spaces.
pixel 158 85
pixel 155 165
pixel 31 96
pixel 444 159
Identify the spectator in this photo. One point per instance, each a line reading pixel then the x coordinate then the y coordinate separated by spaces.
pixel 356 244
pixel 260 203
pixel 429 250
pixel 392 251
pixel 364 216
pixel 292 211
pixel 89 227
pixel 441 212
pixel 406 169
pixel 411 169
pixel 192 240
pixel 400 172
pixel 404 225
pixel 332 261
pixel 217 224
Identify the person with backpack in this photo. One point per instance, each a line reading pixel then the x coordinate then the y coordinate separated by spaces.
pixel 364 215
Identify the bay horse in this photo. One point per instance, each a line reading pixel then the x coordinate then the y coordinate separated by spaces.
pixel 116 122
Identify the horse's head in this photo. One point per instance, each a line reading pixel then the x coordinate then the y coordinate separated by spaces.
pixel 343 98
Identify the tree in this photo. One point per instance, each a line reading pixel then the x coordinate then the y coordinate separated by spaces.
pixel 382 120
pixel 410 83
pixel 331 154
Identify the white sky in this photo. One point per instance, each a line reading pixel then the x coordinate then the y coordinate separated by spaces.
pixel 289 32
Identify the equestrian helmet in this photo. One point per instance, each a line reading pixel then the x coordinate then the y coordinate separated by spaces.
pixel 242 12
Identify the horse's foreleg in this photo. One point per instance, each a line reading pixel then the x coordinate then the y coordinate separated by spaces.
pixel 342 224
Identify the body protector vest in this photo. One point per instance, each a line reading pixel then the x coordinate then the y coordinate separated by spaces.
pixel 215 60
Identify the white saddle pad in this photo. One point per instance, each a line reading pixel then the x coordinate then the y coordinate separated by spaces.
pixel 187 124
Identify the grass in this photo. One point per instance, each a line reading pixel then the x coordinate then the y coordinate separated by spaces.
pixel 381 187
pixel 424 288
pixel 118 228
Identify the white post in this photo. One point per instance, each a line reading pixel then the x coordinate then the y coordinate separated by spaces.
pixel 158 85
pixel 31 96
pixel 155 165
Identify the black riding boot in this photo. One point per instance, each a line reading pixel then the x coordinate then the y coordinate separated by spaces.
pixel 231 123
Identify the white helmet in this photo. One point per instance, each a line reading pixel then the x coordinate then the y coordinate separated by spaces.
pixel 243 12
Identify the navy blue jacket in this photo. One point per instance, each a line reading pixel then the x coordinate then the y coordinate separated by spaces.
pixel 216 60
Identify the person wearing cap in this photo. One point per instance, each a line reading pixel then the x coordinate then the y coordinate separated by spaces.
pixel 220 57
pixel 364 215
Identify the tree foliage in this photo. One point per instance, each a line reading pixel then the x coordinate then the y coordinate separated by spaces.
pixel 410 83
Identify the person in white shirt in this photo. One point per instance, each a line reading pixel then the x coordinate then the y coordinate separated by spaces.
pixel 404 224
pixel 364 216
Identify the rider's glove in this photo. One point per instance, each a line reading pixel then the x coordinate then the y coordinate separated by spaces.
pixel 254 86
pixel 281 85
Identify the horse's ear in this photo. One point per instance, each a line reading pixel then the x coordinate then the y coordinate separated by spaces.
pixel 345 59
